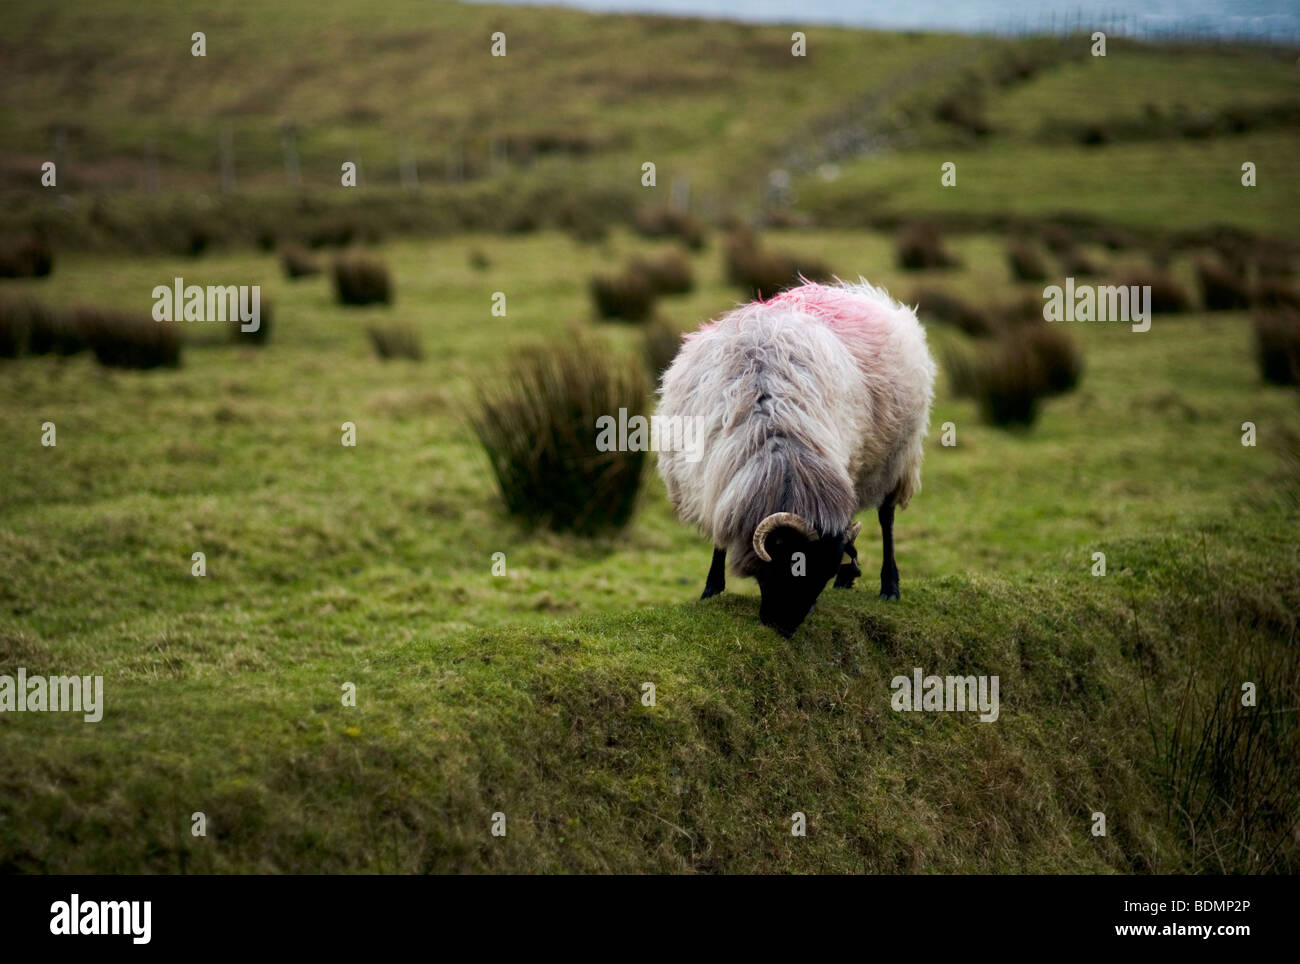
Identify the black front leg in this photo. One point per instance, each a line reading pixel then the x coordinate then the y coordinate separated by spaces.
pixel 888 568
pixel 850 570
pixel 717 580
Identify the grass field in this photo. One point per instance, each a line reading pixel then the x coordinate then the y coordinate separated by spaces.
pixel 522 694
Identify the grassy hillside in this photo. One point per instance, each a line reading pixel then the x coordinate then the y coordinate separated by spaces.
pixel 702 97
pixel 521 693
pixel 580 102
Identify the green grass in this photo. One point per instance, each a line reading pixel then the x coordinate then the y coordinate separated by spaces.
pixel 1137 185
pixel 1021 171
pixel 521 693
pixel 1133 76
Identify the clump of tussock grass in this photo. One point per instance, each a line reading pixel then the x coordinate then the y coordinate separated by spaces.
pixel 1277 345
pixel 1240 118
pixel 583 221
pixel 669 222
pixel 1057 238
pixel 361 281
pixel 964 109
pixel 1235 251
pixel 1222 288
pixel 1198 124
pixel 1276 293
pixel 1116 238
pixel 56 332
pixel 1013 314
pixel 334 232
pixel 525 216
pixel 1016 68
pixel 395 341
pixel 14 326
pixel 951 310
pixel 1012 378
pixel 737 254
pixel 627 296
pixel 197 238
pixel 1026 263
pixel 920 248
pixel 962 368
pixel 668 273
pixel 1274 262
pixel 26 257
pixel 523 146
pixel 1094 133
pixel 1058 356
pixel 662 342
pixel 478 259
pixel 30 327
pixel 298 262
pixel 762 272
pixel 539 431
pixel 1076 263
pixel 122 339
pixel 1008 384
pixel 260 335
pixel 1167 295
pixel 1228 769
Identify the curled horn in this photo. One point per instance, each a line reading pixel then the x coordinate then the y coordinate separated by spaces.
pixel 774 521
pixel 853 532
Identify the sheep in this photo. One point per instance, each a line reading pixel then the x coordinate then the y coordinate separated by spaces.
pixel 813 405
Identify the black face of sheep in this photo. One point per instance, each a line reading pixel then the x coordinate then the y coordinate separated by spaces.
pixel 798 562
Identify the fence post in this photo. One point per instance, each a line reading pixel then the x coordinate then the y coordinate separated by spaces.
pixel 680 192
pixel 410 176
pixel 61 153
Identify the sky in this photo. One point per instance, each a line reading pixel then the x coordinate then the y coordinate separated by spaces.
pixel 1279 19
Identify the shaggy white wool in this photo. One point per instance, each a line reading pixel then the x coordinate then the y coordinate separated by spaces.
pixel 815 402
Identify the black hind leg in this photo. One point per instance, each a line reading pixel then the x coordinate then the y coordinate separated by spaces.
pixel 888 568
pixel 717 580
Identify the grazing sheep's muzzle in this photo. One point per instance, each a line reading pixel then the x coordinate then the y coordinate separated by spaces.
pixel 786 628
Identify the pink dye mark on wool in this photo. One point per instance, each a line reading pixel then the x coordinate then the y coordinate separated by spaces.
pixel 860 320
pixel 843 310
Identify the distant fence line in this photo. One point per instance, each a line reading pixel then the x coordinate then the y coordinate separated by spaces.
pixel 458 161
pixel 852 132
pixel 1133 25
